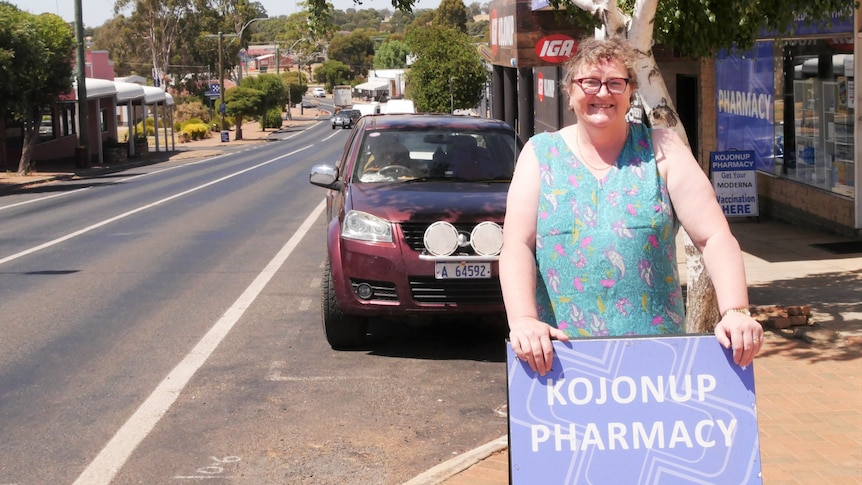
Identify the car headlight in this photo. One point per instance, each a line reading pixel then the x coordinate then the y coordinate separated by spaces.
pixel 366 227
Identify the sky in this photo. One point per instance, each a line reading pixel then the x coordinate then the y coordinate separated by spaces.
pixel 96 12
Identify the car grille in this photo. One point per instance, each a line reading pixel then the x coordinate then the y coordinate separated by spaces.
pixel 414 235
pixel 383 290
pixel 457 292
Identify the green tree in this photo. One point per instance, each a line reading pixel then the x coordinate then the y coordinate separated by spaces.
pixel 448 72
pixel 356 50
pixel 332 73
pixel 242 102
pixel 452 14
pixel 160 24
pixel 116 37
pixel 392 54
pixel 35 68
pixel 273 93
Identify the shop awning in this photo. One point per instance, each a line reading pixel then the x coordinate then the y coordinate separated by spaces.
pixel 372 86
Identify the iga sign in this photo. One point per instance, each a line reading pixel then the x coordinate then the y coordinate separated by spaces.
pixel 735 182
pixel 556 48
pixel 634 410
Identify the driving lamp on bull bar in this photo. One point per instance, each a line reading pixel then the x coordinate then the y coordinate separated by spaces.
pixel 487 238
pixel 441 239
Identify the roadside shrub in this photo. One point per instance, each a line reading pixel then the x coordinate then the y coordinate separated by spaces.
pixel 272 119
pixel 192 110
pixel 194 131
pixel 147 127
pixel 179 125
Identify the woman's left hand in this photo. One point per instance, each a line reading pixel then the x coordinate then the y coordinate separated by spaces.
pixel 741 332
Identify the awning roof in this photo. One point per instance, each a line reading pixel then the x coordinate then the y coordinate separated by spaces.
pixel 372 86
pixel 153 95
pixel 96 88
pixel 128 91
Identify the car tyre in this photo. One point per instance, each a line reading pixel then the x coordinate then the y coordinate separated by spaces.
pixel 343 332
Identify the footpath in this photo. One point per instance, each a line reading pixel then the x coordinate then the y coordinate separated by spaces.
pixel 808 376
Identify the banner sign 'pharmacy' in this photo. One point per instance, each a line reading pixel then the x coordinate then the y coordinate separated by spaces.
pixel 665 410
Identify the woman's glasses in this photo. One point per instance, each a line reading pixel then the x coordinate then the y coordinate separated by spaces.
pixel 591 85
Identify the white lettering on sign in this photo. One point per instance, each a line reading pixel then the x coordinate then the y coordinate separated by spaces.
pixel 549 86
pixel 657 436
pixel 503 31
pixel 624 390
pixel 556 48
pixel 751 105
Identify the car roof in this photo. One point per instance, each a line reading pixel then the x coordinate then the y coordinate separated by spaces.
pixel 413 120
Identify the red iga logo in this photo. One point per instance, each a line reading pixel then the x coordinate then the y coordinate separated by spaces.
pixel 556 48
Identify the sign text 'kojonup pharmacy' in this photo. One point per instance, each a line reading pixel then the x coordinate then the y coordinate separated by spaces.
pixel 634 410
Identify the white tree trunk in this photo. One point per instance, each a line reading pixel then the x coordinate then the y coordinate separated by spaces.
pixel 701 302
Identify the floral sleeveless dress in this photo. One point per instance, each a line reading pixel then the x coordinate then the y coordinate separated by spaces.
pixel 606 249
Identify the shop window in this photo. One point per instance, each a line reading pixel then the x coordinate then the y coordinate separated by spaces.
pixel 68 125
pixel 103 121
pixel 815 141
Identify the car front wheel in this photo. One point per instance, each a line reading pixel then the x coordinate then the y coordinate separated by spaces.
pixel 342 331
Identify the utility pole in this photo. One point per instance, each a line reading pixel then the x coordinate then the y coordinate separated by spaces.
pixel 83 151
pixel 221 107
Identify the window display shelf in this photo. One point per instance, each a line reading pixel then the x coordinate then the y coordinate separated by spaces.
pixel 838 144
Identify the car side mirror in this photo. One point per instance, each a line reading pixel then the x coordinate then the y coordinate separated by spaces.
pixel 325 175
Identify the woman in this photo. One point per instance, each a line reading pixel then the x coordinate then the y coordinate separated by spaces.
pixel 591 220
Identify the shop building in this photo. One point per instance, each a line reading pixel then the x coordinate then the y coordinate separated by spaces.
pixel 791 99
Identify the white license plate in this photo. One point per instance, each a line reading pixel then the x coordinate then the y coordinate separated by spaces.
pixel 462 270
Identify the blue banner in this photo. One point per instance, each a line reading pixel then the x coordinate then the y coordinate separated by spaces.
pixel 746 103
pixel 663 410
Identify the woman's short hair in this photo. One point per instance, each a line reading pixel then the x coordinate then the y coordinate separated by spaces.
pixel 592 51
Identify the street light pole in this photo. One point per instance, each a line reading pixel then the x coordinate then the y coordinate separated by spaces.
pixel 239 36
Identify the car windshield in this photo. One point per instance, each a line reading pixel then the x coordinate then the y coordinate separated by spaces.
pixel 428 155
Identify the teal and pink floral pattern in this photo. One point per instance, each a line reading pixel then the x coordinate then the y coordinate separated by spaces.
pixel 605 248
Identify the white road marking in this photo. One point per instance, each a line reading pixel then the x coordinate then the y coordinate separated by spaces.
pixel 41 199
pixel 305 304
pixel 115 454
pixel 140 209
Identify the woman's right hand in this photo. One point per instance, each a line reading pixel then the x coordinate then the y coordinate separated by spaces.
pixel 531 342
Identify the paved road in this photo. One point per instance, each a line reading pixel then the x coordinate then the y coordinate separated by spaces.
pixel 161 325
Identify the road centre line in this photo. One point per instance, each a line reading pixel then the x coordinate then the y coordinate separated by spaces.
pixel 116 218
pixel 114 455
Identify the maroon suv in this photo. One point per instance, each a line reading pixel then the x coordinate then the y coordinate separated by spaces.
pixel 415 211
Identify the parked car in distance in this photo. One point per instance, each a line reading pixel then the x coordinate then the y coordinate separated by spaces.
pixel 345 118
pixel 319 92
pixel 415 210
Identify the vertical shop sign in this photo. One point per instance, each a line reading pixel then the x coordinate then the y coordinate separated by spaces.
pixel 745 103
pixel 634 410
pixel 735 182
